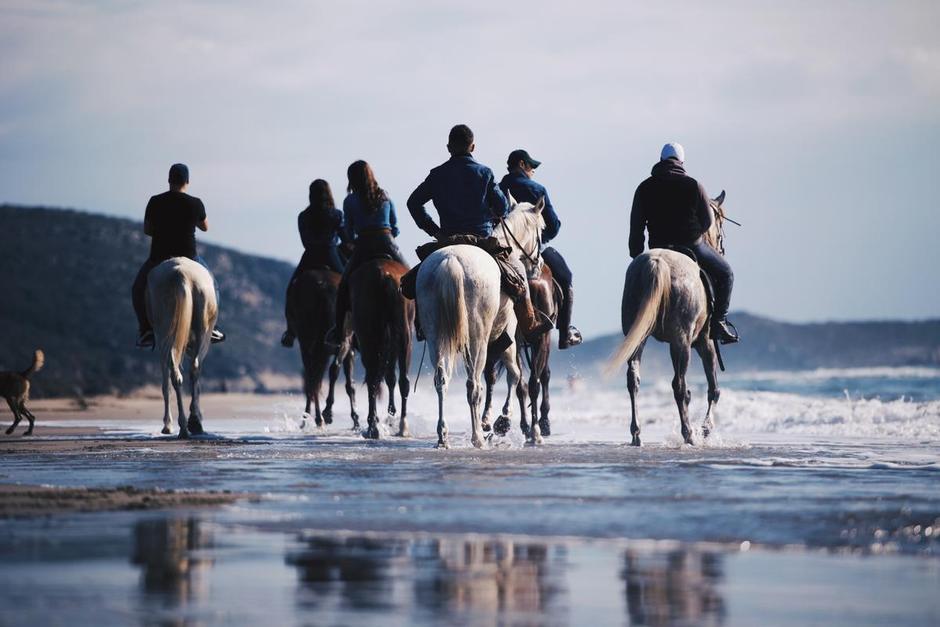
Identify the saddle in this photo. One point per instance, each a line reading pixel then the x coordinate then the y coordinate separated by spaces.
pixel 510 281
pixel 706 280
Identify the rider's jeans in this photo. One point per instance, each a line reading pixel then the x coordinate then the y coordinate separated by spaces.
pixel 719 271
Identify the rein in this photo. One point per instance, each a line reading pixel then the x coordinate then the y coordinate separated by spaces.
pixel 532 258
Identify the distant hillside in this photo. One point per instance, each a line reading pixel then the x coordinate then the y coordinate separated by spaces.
pixel 66 278
pixel 771 345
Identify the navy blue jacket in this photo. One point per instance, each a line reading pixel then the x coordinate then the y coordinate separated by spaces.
pixel 359 218
pixel 466 197
pixel 524 189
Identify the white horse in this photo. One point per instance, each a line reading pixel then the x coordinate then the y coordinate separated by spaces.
pixel 462 308
pixel 182 307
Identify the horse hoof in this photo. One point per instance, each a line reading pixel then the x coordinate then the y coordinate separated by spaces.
pixel 165 431
pixel 706 432
pixel 501 426
pixel 195 427
pixel 525 428
pixel 327 419
pixel 442 444
pixel 636 440
pixel 545 426
pixel 9 431
pixel 404 433
pixel 27 432
pixel 372 433
pixel 184 435
pixel 318 422
pixel 328 415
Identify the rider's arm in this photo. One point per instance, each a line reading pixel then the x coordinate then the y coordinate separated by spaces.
pixel 416 202
pixel 148 225
pixel 204 225
pixel 637 226
pixel 305 237
pixel 552 223
pixel 199 216
pixel 345 238
pixel 392 218
pixel 498 202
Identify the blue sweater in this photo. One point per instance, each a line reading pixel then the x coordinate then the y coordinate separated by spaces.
pixel 466 197
pixel 360 218
pixel 524 189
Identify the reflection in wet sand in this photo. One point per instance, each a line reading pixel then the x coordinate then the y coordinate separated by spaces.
pixel 676 587
pixel 435 576
pixel 165 549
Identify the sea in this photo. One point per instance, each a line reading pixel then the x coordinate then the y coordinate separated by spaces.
pixel 816 501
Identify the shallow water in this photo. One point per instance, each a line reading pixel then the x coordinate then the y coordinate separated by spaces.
pixel 806 505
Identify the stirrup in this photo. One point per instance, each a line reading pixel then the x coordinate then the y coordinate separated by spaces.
pixel 287 340
pixel 331 338
pixel 723 334
pixel 146 340
pixel 217 336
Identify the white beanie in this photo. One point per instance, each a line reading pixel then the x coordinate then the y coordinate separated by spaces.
pixel 673 149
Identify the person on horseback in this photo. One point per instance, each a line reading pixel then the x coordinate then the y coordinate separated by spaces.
pixel 469 203
pixel 170 220
pixel 372 225
pixel 675 210
pixel 519 183
pixel 321 231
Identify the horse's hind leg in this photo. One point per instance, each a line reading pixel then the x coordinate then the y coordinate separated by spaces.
pixel 404 384
pixel 709 360
pixel 17 416
pixel 513 381
pixel 633 385
pixel 680 353
pixel 330 395
pixel 29 416
pixel 440 384
pixel 544 425
pixel 167 417
pixel 195 413
pixel 489 382
pixel 351 388
pixel 391 381
pixel 176 378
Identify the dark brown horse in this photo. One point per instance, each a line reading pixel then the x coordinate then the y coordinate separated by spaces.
pixel 311 308
pixel 382 321
pixel 542 292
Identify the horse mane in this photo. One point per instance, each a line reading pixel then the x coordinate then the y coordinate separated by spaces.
pixel 715 235
pixel 524 224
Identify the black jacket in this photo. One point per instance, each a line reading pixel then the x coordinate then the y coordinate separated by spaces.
pixel 671 205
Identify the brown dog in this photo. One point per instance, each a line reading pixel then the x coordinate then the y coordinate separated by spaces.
pixel 14 386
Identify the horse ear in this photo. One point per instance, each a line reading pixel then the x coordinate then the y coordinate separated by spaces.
pixel 512 201
pixel 721 198
pixel 540 205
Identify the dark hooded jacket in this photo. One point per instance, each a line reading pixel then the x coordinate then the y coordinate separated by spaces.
pixel 671 205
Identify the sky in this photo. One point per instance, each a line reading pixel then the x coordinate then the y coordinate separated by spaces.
pixel 821 120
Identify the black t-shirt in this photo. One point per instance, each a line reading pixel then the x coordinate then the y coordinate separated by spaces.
pixel 173 217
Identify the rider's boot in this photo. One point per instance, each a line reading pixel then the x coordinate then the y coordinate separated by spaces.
pixel 724 331
pixel 217 336
pixel 568 334
pixel 287 340
pixel 532 324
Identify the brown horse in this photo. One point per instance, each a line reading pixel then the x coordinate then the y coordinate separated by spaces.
pixel 382 321
pixel 542 291
pixel 311 308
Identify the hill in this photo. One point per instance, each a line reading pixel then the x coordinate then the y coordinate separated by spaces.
pixel 66 288
pixel 66 279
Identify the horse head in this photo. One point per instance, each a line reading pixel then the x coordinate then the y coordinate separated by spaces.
pixel 715 236
pixel 521 230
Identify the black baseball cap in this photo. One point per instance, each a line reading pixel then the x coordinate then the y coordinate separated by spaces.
pixel 521 155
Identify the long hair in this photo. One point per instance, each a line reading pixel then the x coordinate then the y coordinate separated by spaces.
pixel 362 183
pixel 321 196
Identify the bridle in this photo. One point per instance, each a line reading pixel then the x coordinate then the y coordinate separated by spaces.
pixel 534 257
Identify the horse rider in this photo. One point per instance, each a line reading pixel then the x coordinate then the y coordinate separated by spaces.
pixel 372 226
pixel 469 203
pixel 321 231
pixel 675 210
pixel 170 220
pixel 519 182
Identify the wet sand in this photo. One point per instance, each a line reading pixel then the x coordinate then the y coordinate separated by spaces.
pixel 18 501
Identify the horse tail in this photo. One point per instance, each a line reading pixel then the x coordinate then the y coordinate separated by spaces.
pixel 452 327
pixel 177 336
pixel 38 360
pixel 645 297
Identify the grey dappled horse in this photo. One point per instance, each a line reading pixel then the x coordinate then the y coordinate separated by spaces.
pixel 182 308
pixel 663 296
pixel 463 310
